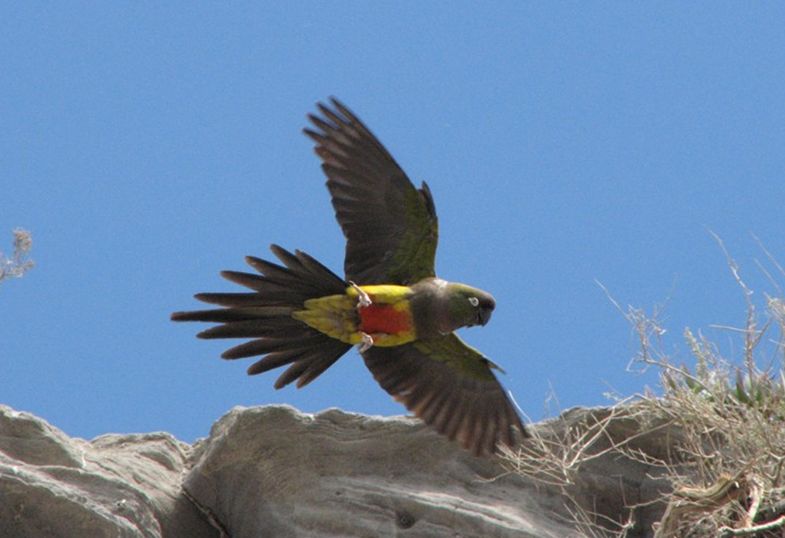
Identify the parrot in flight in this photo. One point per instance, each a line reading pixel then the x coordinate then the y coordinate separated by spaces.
pixel 390 304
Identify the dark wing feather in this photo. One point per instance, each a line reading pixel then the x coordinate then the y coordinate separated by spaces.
pixel 390 226
pixel 451 387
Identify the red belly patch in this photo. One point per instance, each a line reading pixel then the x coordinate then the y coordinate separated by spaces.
pixel 384 318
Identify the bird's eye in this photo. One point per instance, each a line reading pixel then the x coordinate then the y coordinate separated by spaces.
pixel 474 301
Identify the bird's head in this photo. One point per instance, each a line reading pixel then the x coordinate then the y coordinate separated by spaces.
pixel 468 306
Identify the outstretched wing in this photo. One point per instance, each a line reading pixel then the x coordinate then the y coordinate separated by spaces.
pixel 450 386
pixel 390 226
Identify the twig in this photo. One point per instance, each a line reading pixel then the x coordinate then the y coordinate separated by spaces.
pixel 727 532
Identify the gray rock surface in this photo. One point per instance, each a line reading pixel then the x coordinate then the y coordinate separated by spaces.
pixel 275 472
pixel 339 474
pixel 114 486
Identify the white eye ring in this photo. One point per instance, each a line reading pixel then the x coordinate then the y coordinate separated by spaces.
pixel 474 301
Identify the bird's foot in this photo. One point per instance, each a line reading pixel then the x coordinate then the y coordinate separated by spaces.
pixel 363 299
pixel 366 343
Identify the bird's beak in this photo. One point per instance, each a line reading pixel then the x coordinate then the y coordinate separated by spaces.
pixel 485 315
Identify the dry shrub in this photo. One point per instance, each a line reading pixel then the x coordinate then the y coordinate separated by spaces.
pixel 18 263
pixel 725 459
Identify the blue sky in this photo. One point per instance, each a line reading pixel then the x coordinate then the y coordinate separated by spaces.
pixel 149 146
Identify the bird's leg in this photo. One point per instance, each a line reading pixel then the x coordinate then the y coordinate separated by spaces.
pixel 363 299
pixel 367 342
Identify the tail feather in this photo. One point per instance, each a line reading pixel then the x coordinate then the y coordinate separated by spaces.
pixel 242 313
pixel 274 360
pixel 319 365
pixel 274 292
pixel 249 280
pixel 266 316
pixel 228 299
pixel 314 362
pixel 315 267
pixel 276 329
pixel 283 277
pixel 269 296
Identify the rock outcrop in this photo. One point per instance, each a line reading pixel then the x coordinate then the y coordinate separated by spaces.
pixel 114 485
pixel 275 472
